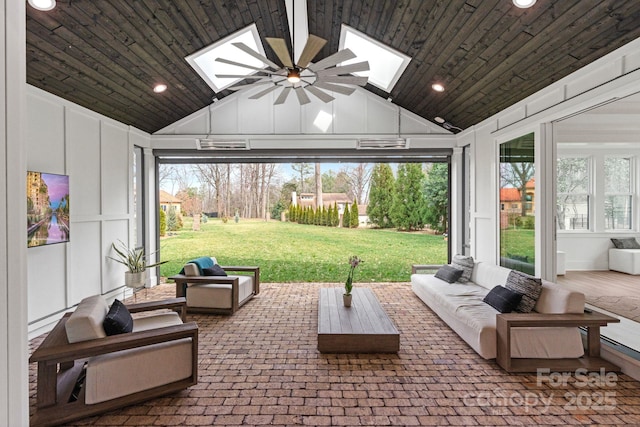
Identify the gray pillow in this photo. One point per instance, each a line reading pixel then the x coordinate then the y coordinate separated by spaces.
pixel 464 263
pixel 530 287
pixel 448 273
pixel 626 243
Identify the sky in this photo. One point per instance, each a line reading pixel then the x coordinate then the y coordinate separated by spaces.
pixel 58 186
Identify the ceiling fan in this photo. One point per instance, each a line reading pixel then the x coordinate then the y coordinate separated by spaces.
pixel 302 76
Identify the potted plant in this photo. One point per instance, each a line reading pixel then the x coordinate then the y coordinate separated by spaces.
pixel 136 262
pixel 354 261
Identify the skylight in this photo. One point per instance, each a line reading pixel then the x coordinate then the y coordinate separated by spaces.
pixel 387 64
pixel 204 60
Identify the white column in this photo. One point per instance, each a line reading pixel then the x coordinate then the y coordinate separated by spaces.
pixel 14 379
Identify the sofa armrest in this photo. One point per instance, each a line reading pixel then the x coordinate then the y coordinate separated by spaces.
pixel 62 353
pixel 418 268
pixel 177 304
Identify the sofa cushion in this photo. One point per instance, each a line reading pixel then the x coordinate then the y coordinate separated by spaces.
pixel 625 243
pixel 448 273
pixel 216 295
pixel 118 320
pixel 464 263
pixel 502 299
pixel 216 270
pixel 530 287
pixel 85 323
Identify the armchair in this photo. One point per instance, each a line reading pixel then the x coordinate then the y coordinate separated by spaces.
pixel 216 294
pixel 84 372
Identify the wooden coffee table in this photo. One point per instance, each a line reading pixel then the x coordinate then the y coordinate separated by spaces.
pixel 362 328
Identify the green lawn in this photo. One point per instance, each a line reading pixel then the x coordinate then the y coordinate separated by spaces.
pixel 519 242
pixel 288 252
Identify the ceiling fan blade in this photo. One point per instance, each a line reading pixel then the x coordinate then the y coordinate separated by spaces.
pixel 264 92
pixel 238 64
pixel 239 76
pixel 279 46
pixel 345 80
pixel 325 97
pixel 330 61
pixel 345 69
pixel 302 97
pixel 240 87
pixel 246 49
pixel 311 48
pixel 283 96
pixel 335 88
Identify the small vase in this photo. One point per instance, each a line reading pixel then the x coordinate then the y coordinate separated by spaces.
pixel 346 300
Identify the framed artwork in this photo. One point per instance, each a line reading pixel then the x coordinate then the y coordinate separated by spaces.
pixel 47 208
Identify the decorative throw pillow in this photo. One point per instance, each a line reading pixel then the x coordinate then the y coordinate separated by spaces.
pixel 118 320
pixel 216 270
pixel 530 287
pixel 448 274
pixel 502 299
pixel 626 243
pixel 464 263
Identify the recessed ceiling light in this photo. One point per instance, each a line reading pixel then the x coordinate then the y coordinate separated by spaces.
pixel 159 88
pixel 43 4
pixel 523 4
pixel 437 87
pixel 439 119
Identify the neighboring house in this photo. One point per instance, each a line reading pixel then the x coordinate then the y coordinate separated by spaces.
pixel 328 199
pixel 167 201
pixel 363 218
pixel 511 202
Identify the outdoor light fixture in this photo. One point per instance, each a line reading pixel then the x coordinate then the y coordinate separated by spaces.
pixel 523 4
pixel 437 87
pixel 44 5
pixel 294 75
pixel 439 120
pixel 159 88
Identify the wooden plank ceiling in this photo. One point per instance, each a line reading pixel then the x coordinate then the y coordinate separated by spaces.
pixel 107 54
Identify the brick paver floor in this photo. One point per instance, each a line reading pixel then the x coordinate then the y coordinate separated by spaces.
pixel 261 367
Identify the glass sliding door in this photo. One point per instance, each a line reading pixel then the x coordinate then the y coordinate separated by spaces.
pixel 517 204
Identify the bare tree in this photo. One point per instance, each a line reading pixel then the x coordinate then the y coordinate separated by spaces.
pixel 318 176
pixel 359 178
pixel 303 169
pixel 214 176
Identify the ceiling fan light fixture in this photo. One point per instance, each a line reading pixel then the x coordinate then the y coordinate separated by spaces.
pixel 293 76
pixel 43 5
pixel 523 4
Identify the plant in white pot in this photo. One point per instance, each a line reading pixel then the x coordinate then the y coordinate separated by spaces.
pixel 136 262
pixel 354 261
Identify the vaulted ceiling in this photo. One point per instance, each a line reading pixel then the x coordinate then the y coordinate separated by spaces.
pixel 106 55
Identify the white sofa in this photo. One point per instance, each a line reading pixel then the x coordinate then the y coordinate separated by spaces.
pixel 460 305
pixel 624 260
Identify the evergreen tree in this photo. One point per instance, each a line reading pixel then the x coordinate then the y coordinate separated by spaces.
pixel 327 217
pixel 381 195
pixel 172 220
pixel 335 215
pixel 163 222
pixel 436 192
pixel 355 216
pixel 346 217
pixel 409 206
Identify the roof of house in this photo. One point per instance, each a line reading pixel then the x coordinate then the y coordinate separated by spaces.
pixel 510 195
pixel 168 198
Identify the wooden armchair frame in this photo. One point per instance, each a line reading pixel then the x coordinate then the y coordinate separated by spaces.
pixel 60 363
pixel 182 280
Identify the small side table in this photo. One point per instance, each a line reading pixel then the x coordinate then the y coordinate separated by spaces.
pixel 590 361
